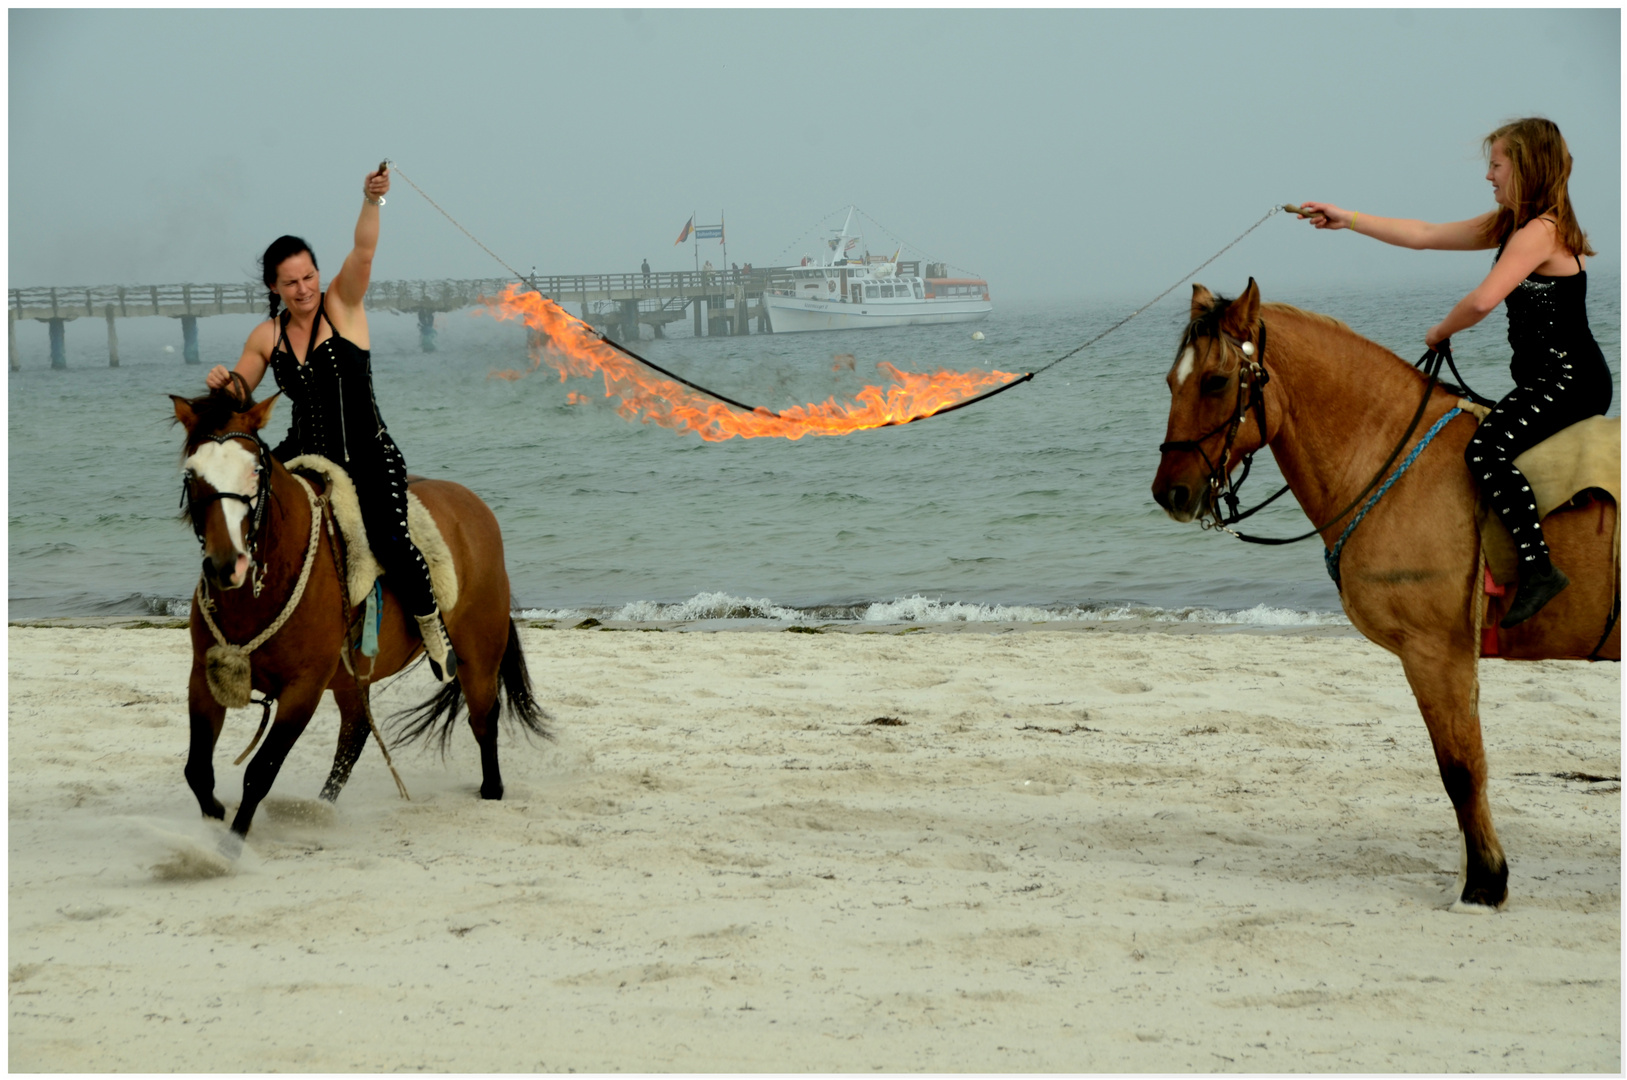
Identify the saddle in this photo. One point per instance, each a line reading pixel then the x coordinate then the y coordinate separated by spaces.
pixel 1562 470
pixel 363 569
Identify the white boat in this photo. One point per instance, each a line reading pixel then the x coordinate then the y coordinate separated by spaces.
pixel 846 292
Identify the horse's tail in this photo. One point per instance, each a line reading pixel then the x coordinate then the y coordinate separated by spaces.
pixel 522 705
pixel 437 718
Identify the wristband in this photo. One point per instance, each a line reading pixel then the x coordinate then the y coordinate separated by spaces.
pixel 1354 214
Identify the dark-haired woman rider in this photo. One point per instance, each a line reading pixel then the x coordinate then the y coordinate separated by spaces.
pixel 317 348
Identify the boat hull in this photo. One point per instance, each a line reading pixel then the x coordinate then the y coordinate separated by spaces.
pixel 789 315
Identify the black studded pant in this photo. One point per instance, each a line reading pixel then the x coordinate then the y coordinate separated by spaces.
pixel 1544 403
pixel 381 488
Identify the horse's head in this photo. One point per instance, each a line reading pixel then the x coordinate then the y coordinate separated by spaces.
pixel 225 480
pixel 1216 381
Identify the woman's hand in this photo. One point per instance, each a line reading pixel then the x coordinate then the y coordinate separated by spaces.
pixel 1435 338
pixel 219 376
pixel 1326 215
pixel 376 185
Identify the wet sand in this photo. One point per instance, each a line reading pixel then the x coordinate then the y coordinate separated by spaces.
pixel 1091 849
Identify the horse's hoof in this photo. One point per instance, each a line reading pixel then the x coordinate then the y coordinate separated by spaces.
pixel 215 810
pixel 491 791
pixel 231 845
pixel 1465 907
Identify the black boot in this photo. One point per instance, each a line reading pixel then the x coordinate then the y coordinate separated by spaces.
pixel 1535 590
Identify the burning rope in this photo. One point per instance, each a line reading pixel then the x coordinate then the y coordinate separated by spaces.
pixel 578 349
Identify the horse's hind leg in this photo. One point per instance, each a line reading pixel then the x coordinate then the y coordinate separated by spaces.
pixel 353 732
pixel 1443 681
pixel 207 717
pixel 480 695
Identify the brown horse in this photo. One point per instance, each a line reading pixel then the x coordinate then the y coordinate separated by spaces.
pixel 1333 407
pixel 263 528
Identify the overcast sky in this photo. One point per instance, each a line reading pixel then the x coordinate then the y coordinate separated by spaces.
pixel 1058 153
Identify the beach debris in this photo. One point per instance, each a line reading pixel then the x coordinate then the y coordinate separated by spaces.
pixel 1058 731
pixel 886 721
pixel 587 624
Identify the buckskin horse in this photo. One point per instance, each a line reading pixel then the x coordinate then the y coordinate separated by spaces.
pixel 1332 406
pixel 271 612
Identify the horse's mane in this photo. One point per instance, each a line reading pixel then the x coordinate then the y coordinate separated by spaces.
pixel 1207 322
pixel 214 410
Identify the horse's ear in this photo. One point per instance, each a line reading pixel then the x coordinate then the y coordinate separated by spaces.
pixel 183 412
pixel 258 415
pixel 1241 313
pixel 1202 300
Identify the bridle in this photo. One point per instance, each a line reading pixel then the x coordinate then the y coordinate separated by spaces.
pixel 195 506
pixel 1252 378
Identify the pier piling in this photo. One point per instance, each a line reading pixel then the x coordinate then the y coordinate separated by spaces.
pixel 189 339
pixel 112 340
pixel 426 329
pixel 59 351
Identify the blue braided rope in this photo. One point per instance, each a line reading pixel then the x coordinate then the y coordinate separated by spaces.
pixel 1331 556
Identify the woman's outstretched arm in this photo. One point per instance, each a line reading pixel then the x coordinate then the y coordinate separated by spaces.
pixel 1402 232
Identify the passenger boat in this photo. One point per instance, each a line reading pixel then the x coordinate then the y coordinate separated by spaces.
pixel 847 292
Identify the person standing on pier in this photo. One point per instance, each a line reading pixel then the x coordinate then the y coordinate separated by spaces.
pixel 317 348
pixel 646 273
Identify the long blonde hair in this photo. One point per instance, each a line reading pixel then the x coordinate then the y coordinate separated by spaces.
pixel 1542 168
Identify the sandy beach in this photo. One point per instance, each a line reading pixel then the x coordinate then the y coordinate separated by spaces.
pixel 971 849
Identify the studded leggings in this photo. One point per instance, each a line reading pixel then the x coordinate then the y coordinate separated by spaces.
pixel 1540 406
pixel 381 488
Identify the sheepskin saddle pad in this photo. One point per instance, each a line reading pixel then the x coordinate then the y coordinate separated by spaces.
pixel 1579 460
pixel 363 568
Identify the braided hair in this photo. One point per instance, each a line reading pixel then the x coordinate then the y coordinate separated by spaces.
pixel 281 249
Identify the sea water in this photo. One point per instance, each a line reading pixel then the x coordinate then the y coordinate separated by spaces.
pixel 1034 505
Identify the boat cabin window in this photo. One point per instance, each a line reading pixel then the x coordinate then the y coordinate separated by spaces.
pixel 920 294
pixel 870 292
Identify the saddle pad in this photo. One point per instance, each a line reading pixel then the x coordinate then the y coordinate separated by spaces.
pixel 1585 455
pixel 363 568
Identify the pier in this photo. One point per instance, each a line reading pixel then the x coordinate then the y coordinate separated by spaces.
pixel 717 303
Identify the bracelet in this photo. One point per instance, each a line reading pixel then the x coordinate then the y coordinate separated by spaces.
pixel 376 202
pixel 1354 214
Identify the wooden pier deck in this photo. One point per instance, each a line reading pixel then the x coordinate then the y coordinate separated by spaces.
pixel 718 302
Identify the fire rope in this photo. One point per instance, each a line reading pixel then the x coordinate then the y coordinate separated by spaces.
pixel 821 419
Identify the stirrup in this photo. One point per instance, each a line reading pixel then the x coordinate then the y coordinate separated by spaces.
pixel 1533 594
pixel 443 660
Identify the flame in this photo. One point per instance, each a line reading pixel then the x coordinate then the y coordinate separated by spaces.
pixel 570 347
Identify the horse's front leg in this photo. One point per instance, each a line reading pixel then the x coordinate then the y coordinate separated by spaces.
pixel 353 732
pixel 208 716
pixel 294 708
pixel 1442 676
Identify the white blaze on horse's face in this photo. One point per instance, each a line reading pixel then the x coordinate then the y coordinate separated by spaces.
pixel 229 468
pixel 1184 366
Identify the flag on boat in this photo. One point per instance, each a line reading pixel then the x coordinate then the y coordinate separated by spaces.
pixel 851 244
pixel 689 227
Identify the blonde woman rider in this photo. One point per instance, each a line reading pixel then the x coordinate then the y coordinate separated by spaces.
pixel 1560 375
pixel 318 351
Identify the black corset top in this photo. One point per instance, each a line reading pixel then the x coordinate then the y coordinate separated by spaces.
pixel 334 411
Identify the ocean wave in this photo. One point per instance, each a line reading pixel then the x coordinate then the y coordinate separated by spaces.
pixel 920 610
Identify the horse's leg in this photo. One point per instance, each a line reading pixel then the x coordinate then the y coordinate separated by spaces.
pixel 353 732
pixel 208 716
pixel 480 695
pixel 1442 676
pixel 294 709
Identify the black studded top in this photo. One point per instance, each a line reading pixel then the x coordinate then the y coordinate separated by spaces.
pixel 1547 327
pixel 335 413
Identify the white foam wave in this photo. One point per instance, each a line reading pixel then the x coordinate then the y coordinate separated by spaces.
pixel 922 610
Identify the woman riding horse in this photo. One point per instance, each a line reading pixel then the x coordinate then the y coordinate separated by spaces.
pixel 329 379
pixel 1560 375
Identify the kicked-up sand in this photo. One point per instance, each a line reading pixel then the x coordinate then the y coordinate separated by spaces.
pixel 1089 849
